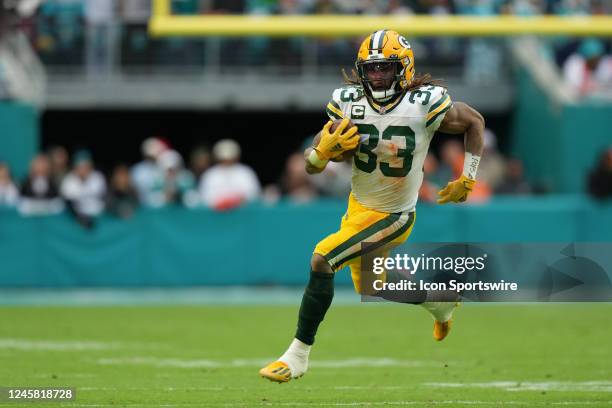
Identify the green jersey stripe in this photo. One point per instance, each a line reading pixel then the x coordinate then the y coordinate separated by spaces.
pixel 378 244
pixel 332 114
pixel 432 120
pixel 360 236
pixel 440 102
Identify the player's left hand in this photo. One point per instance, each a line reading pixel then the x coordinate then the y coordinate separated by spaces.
pixel 456 191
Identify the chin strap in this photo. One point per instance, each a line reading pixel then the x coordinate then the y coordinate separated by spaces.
pixel 383 96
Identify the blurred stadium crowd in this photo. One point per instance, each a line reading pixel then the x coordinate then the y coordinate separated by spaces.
pixel 103 36
pixel 218 180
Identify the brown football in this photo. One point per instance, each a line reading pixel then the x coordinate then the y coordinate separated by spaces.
pixel 347 155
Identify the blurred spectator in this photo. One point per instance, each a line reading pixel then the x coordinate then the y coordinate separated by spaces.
pixel 84 189
pixel 199 161
pixel 514 181
pixel 483 59
pixel 5 26
pixel 573 7
pixel 4 19
pixel 135 46
pixel 145 173
pixel 228 183
pixel 601 7
pixel 101 35
pixel 483 62
pixel 122 199
pixel 492 165
pixel 224 6
pixel 588 70
pixel 451 167
pixel 600 179
pixel 333 51
pixel 182 51
pixel 331 7
pixel 477 7
pixel 293 7
pixel 429 189
pixel 39 193
pixel 60 32
pixel 523 7
pixel 8 191
pixel 402 8
pixel 451 162
pixel 335 181
pixel 173 183
pixel 296 184
pixel 58 157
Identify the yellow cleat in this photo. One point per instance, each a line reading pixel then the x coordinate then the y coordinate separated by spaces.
pixel 441 329
pixel 276 371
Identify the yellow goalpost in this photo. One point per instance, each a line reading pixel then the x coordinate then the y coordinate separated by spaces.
pixel 163 23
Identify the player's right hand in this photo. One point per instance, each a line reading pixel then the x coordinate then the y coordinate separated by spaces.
pixel 333 144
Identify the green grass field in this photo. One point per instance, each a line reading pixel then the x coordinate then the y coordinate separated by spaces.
pixel 365 355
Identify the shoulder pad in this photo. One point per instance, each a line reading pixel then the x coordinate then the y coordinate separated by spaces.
pixel 341 99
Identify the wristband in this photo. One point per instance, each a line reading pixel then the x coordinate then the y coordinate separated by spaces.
pixel 314 159
pixel 470 165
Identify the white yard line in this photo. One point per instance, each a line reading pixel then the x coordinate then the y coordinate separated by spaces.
pixel 50 345
pixel 205 363
pixel 584 386
pixel 63 375
pixel 72 345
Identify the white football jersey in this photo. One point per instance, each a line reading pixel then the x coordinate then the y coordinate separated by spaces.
pixel 388 167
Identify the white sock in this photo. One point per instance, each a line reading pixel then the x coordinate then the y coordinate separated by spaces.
pixel 296 357
pixel 441 311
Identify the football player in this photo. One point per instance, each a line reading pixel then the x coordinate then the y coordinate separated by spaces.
pixel 396 115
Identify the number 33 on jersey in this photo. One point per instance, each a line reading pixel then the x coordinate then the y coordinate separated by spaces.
pixel 387 168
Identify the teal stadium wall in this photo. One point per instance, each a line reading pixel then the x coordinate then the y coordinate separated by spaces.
pixel 256 245
pixel 19 136
pixel 559 144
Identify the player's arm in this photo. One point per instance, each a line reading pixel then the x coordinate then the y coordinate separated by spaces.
pixel 311 168
pixel 330 144
pixel 462 118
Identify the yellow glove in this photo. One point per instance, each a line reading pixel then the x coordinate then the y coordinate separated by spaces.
pixel 334 144
pixel 456 191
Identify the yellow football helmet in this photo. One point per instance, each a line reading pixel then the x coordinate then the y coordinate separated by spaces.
pixel 385 50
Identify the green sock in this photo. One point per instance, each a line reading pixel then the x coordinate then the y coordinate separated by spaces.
pixel 315 302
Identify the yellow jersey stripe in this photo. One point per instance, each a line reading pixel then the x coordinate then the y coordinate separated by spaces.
pixel 442 112
pixel 335 110
pixel 438 102
pixel 440 108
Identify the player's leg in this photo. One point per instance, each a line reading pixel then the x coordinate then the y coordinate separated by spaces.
pixel 440 304
pixel 363 282
pixel 442 313
pixel 316 300
pixel 329 256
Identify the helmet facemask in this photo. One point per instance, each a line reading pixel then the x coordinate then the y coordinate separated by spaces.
pixel 381 79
